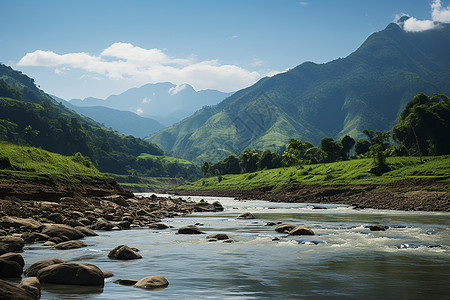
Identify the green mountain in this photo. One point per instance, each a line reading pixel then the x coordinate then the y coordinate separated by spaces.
pixel 28 116
pixel 366 90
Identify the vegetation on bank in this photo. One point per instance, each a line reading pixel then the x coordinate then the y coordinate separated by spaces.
pixel 352 172
pixel 28 162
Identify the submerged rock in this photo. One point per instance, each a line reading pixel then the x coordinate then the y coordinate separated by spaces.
pixel 128 282
pixel 123 252
pixel 246 215
pixel 218 236
pixel 377 227
pixel 152 282
pixel 72 273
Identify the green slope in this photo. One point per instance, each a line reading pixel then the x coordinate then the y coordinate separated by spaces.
pixel 353 172
pixel 365 90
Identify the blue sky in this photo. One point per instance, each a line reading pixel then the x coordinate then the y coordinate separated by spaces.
pixel 77 49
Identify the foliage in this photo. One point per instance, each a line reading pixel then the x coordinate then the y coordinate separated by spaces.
pixel 362 147
pixel 424 125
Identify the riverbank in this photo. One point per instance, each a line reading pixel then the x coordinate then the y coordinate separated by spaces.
pixel 409 195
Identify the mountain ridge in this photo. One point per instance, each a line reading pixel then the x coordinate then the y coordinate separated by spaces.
pixel 365 90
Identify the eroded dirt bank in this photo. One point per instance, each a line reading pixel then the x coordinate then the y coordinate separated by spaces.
pixel 425 195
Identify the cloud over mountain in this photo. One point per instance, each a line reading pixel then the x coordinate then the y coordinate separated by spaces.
pixel 439 14
pixel 126 61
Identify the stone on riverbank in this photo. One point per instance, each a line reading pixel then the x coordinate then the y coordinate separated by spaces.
pixel 34 268
pixel 11 265
pixel 9 291
pixel 218 236
pixel 70 245
pixel 59 230
pixel 158 226
pixel 301 230
pixel 152 282
pixel 72 273
pixel 246 215
pixel 32 285
pixel 123 252
pixel 28 223
pixel 11 244
pixel 190 229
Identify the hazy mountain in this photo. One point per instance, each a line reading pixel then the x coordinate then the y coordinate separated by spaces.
pixel 165 102
pixel 125 122
pixel 365 90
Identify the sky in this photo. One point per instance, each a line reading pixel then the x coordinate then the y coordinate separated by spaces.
pixel 96 48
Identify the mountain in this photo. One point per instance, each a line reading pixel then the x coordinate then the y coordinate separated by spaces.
pixel 365 90
pixel 30 116
pixel 165 102
pixel 125 122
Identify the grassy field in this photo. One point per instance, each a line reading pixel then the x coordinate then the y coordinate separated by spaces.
pixel 353 172
pixel 165 159
pixel 22 161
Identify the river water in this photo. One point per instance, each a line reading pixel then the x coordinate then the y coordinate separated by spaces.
pixel 344 260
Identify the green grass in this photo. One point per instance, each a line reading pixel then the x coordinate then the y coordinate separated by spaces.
pixel 165 159
pixel 27 162
pixel 353 172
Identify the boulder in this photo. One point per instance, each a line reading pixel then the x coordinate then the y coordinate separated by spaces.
pixel 86 231
pixel 123 252
pixel 284 228
pixel 107 274
pixel 32 285
pixel 218 236
pixel 10 268
pixel 191 229
pixel 9 291
pixel 152 282
pixel 102 224
pixel 10 244
pixel 117 199
pixel 246 215
pixel 377 227
pixel 34 268
pixel 72 273
pixel 8 221
pixel 14 257
pixel 158 226
pixel 217 206
pixel 58 230
pixel 31 237
pixel 125 281
pixel 301 230
pixel 70 245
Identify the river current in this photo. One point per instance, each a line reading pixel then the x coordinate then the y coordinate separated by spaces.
pixel 343 260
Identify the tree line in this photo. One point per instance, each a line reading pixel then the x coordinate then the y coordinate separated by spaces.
pixel 423 128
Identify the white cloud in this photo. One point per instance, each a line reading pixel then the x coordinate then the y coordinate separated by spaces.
pixel 412 24
pixel 124 61
pixel 438 15
pixel 176 89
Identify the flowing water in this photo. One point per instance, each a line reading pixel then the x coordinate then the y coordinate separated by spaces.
pixel 344 260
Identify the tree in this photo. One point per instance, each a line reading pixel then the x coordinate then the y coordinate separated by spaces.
pixel 424 125
pixel 362 147
pixel 231 165
pixel 377 137
pixel 347 143
pixel 331 148
pixel 205 168
pixel 249 160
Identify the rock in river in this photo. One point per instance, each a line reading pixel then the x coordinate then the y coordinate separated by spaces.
pixel 70 245
pixel 58 230
pixel 284 228
pixel 301 230
pixel 152 282
pixel 10 244
pixel 190 229
pixel 11 265
pixel 9 291
pixel 123 252
pixel 246 215
pixel 34 268
pixel 72 273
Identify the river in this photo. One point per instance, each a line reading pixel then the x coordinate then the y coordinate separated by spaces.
pixel 343 260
